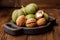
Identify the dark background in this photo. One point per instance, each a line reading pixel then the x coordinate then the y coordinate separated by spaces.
pixel 41 3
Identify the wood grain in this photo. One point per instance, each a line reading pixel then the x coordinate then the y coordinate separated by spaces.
pixel 41 3
pixel 10 3
pixel 9 37
pixel 56 13
pixel 37 37
pixel 57 28
pixel 5 16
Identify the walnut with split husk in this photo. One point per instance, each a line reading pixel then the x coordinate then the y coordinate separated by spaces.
pixel 39 14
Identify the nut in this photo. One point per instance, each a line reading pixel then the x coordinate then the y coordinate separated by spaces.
pixel 21 20
pixel 31 8
pixel 16 13
pixel 30 16
pixel 31 23
pixel 41 21
pixel 46 16
pixel 39 14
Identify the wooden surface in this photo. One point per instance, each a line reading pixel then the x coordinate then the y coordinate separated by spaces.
pixel 5 16
pixel 18 3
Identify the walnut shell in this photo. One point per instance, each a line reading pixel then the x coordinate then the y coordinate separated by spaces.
pixel 21 20
pixel 31 23
pixel 39 14
pixel 41 21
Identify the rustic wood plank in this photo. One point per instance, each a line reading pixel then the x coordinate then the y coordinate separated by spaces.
pixel 57 28
pixel 10 37
pixel 3 19
pixel 10 3
pixel 41 3
pixel 50 36
pixel 5 16
pixel 37 37
pixel 56 13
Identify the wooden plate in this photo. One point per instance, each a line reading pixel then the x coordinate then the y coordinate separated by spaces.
pixel 13 29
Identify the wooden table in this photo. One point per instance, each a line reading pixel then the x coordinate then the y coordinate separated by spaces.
pixel 5 16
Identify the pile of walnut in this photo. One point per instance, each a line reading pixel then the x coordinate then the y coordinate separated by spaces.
pixel 29 16
pixel 40 20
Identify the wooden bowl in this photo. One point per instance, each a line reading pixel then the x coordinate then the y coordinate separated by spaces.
pixel 13 29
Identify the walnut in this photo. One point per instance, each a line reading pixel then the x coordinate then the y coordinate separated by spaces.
pixel 41 21
pixel 39 14
pixel 31 23
pixel 21 20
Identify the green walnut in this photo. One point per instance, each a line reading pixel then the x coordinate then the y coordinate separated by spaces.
pixel 31 8
pixel 46 16
pixel 30 16
pixel 35 5
pixel 16 13
pixel 23 9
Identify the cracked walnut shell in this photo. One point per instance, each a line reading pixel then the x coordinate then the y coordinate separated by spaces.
pixel 31 23
pixel 21 20
pixel 41 21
